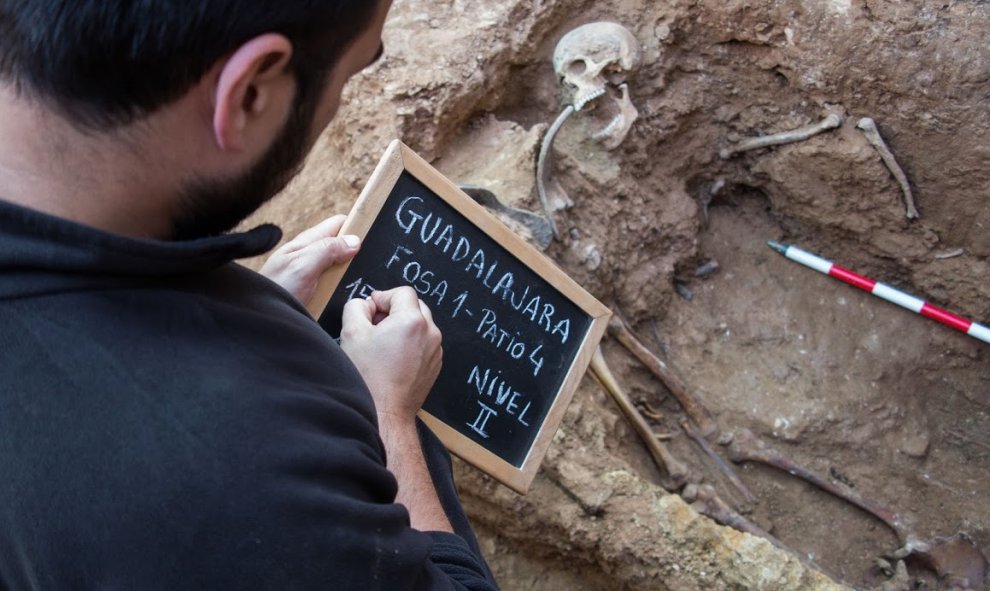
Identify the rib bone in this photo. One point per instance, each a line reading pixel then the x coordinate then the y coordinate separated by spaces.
pixel 677 471
pixel 694 409
pixel 833 121
pixel 869 128
pixel 745 447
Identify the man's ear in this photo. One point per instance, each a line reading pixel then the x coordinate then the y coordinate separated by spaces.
pixel 248 86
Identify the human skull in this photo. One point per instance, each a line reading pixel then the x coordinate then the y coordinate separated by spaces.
pixel 594 61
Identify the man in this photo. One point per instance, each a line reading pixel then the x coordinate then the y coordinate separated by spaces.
pixel 169 419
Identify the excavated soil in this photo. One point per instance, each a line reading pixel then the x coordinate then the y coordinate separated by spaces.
pixel 868 394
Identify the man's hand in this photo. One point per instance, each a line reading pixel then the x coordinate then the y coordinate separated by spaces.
pixel 299 263
pixel 392 340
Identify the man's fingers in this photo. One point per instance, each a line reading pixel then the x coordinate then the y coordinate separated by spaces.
pixel 426 311
pixel 358 312
pixel 328 228
pixel 323 254
pixel 400 299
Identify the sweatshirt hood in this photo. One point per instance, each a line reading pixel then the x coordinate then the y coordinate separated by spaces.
pixel 41 254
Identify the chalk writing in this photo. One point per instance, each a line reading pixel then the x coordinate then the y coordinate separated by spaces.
pixel 478 426
pixel 509 337
pixel 499 390
pixel 483 266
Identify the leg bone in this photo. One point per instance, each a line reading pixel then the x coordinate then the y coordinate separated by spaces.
pixel 745 447
pixel 722 465
pixel 694 409
pixel 954 559
pixel 706 501
pixel 869 128
pixel 832 121
pixel 676 470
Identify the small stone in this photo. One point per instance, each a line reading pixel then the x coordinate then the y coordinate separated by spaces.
pixel 684 291
pixel 707 269
pixel 915 445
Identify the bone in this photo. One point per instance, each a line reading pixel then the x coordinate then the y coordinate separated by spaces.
pixel 676 471
pixel 900 581
pixel 832 121
pixel 543 167
pixel 618 129
pixel 652 413
pixel 706 501
pixel 955 560
pixel 746 447
pixel 941 256
pixel 592 56
pixel 538 226
pixel 727 470
pixel 695 410
pixel 869 128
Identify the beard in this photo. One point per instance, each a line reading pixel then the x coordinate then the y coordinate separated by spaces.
pixel 212 207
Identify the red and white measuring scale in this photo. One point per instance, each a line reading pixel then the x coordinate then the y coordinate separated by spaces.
pixel 881 290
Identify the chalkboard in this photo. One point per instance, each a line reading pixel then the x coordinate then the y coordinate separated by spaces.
pixel 518 334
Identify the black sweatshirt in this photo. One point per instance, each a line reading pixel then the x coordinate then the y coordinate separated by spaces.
pixel 170 420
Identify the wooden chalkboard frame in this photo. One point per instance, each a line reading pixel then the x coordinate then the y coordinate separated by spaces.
pixel 399 159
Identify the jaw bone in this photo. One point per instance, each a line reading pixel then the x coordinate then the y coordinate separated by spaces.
pixel 613 134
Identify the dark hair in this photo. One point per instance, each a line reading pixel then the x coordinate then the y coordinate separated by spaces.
pixel 104 63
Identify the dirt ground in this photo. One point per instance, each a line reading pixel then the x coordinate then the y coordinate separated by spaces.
pixel 870 395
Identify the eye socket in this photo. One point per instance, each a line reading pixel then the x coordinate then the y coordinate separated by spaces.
pixel 577 67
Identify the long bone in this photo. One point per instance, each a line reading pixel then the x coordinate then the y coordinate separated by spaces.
pixel 706 501
pixel 869 129
pixel 746 447
pixel 832 121
pixel 543 167
pixel 695 410
pixel 956 558
pixel 677 471
pixel 727 470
